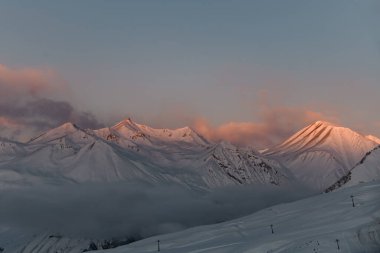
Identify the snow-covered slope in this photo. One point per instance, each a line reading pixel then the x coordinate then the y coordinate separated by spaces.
pixel 366 170
pixel 373 138
pixel 8 149
pixel 132 152
pixel 67 131
pixel 66 154
pixel 16 241
pixel 310 225
pixel 321 153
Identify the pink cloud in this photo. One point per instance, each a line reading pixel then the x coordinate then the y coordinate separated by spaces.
pixel 27 81
pixel 275 125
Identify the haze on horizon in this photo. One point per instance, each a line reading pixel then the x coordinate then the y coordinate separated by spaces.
pixel 254 71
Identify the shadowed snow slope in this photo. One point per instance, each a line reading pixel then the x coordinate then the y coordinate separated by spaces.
pixel 321 153
pixel 366 170
pixel 309 225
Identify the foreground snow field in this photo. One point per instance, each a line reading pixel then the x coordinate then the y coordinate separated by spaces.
pixel 310 225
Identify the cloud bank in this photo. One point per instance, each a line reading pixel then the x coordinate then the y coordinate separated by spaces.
pixel 104 211
pixel 26 105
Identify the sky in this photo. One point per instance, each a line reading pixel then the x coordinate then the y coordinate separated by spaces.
pixel 250 72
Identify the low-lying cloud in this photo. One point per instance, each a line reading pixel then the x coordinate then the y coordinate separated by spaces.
pixel 44 113
pixel 275 124
pixel 27 106
pixel 101 211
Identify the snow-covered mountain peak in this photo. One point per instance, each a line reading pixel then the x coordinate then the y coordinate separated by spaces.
pixel 321 152
pixel 66 127
pixel 55 133
pixel 145 134
pixel 324 123
pixel 126 123
pixel 322 135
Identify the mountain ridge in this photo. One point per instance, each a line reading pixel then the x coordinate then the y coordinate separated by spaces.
pixel 129 152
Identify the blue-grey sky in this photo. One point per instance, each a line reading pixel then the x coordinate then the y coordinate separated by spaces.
pixel 170 63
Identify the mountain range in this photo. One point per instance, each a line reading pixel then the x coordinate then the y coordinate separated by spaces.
pixel 319 156
pixel 132 152
pixel 322 157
